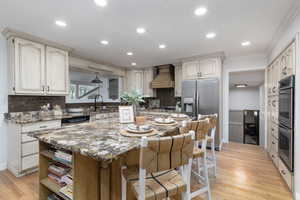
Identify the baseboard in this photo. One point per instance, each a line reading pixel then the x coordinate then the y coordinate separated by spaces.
pixel 3 166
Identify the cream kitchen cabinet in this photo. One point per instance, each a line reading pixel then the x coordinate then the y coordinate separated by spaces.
pixel 210 68
pixel 57 71
pixel 36 69
pixel 23 149
pixel 148 76
pixel 28 67
pixel 191 70
pixel 135 81
pixel 178 80
pixel 204 68
pixel 288 61
pixel 140 81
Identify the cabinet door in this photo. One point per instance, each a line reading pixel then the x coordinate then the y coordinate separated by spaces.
pixel 138 82
pixel 178 80
pixel 269 76
pixel 191 70
pixel 276 77
pixel 209 68
pixel 148 78
pixel 57 71
pixel 29 67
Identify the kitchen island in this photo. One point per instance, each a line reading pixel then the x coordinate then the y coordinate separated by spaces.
pixel 97 150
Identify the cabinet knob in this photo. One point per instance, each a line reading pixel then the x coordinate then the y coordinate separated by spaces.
pixel 43 88
pixel 48 88
pixel 283 172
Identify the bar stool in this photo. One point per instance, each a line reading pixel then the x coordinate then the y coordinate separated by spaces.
pixel 211 139
pixel 156 177
pixel 201 129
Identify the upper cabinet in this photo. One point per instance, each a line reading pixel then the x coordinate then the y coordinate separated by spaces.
pixel 148 78
pixel 140 81
pixel 178 80
pixel 204 68
pixel 191 70
pixel 36 69
pixel 57 71
pixel 29 67
pixel 288 61
pixel 283 66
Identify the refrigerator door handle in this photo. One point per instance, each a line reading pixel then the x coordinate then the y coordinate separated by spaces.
pixel 195 107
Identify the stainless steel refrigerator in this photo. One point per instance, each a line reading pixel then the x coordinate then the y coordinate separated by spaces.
pixel 202 97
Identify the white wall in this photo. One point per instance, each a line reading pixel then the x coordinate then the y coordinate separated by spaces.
pixel 244 98
pixel 3 103
pixel 237 64
pixel 292 32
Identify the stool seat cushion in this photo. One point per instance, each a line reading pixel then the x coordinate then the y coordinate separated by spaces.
pixel 159 185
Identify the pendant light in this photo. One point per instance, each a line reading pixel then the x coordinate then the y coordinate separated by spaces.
pixel 96 80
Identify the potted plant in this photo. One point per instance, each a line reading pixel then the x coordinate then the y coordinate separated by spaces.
pixel 132 98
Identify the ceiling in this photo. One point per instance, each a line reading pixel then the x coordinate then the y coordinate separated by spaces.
pixel 171 22
pixel 251 78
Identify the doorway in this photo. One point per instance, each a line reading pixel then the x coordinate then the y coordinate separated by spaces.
pixel 246 107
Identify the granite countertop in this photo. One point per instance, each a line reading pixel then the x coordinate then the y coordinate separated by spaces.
pixel 100 140
pixel 35 116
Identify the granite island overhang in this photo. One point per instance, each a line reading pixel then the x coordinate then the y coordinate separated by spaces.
pixel 98 149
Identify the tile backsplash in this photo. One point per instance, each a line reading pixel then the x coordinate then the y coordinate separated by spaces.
pixel 18 103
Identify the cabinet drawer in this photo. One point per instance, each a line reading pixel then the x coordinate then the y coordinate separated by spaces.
pixel 30 148
pixel 41 126
pixel 274 145
pixel 29 162
pixel 26 138
pixel 286 174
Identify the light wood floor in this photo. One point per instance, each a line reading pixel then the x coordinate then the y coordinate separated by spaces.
pixel 245 172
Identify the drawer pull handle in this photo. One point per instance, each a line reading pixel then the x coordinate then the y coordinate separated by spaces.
pixel 273 142
pixel 283 172
pixel 43 126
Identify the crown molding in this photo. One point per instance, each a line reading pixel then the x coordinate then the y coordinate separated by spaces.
pixel 285 23
pixel 220 55
pixel 11 33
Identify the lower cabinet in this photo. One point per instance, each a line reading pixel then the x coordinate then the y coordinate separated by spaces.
pixel 22 149
pixel 286 174
pixel 273 152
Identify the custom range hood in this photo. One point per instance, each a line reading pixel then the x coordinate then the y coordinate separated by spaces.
pixel 164 79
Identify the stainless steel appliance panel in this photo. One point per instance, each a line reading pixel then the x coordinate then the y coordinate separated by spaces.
pixel 189 90
pixel 208 96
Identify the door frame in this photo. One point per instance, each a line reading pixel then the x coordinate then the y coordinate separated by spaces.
pixel 226 75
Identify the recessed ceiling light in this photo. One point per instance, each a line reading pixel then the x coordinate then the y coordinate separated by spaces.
pixel 210 35
pixel 104 42
pixel 141 30
pixel 133 64
pixel 129 53
pixel 162 46
pixel 60 23
pixel 200 11
pixel 241 85
pixel 101 3
pixel 246 43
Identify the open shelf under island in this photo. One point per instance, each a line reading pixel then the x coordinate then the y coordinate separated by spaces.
pixel 97 150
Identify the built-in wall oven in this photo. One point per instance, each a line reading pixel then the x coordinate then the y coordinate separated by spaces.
pixel 286 122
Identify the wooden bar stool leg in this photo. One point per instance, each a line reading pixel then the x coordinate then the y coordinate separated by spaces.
pixel 124 188
pixel 214 157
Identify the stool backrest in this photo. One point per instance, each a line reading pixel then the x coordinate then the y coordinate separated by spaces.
pixel 213 118
pixel 202 129
pixel 164 153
